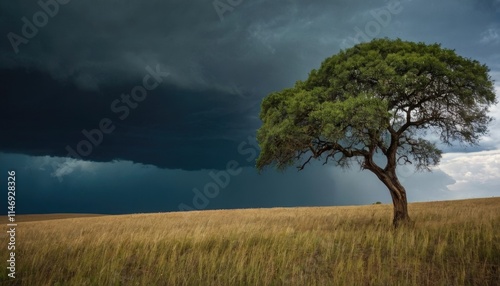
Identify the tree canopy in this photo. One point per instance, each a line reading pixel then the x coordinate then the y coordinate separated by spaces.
pixel 385 96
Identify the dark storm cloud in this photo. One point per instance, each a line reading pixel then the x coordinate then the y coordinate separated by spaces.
pixel 259 45
pixel 64 78
pixel 168 129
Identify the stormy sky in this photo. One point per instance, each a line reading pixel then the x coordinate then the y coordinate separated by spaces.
pixel 141 106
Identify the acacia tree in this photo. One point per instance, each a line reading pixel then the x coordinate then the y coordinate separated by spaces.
pixel 378 100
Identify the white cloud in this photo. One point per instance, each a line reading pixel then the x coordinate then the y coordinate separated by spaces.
pixel 492 139
pixel 491 35
pixel 69 166
pixel 474 173
pixel 60 167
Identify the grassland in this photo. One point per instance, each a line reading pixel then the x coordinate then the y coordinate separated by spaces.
pixel 451 243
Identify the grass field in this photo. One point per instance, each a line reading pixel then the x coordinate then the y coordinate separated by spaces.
pixel 451 243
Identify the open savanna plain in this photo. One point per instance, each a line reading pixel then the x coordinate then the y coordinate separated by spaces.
pixel 451 243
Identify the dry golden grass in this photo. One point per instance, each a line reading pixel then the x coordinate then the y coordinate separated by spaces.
pixel 451 243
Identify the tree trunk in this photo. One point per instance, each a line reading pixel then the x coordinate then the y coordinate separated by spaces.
pixel 398 195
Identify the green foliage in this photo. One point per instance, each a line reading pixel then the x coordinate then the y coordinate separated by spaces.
pixel 382 96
